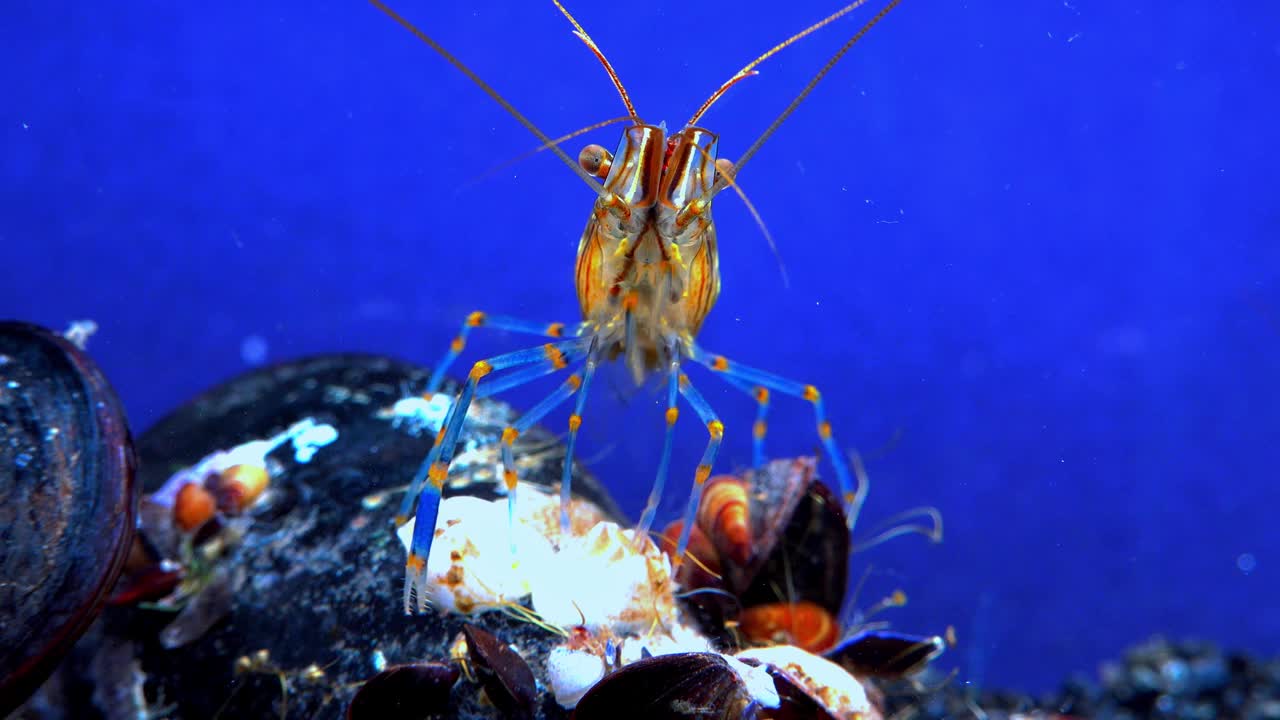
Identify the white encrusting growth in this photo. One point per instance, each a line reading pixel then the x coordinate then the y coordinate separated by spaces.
pixel 825 681
pixel 571 673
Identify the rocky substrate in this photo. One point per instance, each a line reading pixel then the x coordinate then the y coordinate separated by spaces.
pixel 1157 679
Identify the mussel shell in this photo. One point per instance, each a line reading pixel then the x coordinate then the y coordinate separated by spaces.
pixel 799 534
pixel 404 692
pixel 683 685
pixel 506 677
pixel 796 702
pixel 347 390
pixel 68 501
pixel 885 653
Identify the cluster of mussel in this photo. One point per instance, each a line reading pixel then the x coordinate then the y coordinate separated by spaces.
pixel 765 575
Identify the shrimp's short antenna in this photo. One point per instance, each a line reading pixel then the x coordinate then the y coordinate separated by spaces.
pixel 488 90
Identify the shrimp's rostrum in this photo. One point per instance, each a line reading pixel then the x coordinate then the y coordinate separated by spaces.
pixel 647 275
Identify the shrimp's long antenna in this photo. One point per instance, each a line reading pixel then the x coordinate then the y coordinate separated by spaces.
pixel 488 90
pixel 750 70
pixel 608 67
pixel 791 108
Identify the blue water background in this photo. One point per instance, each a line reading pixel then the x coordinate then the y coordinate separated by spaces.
pixel 1036 243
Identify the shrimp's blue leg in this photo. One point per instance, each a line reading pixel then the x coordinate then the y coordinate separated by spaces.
pixel 673 413
pixel 572 353
pixel 482 319
pixel 716 430
pixel 853 499
pixel 575 422
pixel 570 386
pixel 550 358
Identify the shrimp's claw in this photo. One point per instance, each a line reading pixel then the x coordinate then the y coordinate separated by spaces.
pixel 415 568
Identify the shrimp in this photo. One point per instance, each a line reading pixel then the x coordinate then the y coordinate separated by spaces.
pixel 647 275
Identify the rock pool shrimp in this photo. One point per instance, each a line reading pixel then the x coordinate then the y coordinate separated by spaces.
pixel 647 275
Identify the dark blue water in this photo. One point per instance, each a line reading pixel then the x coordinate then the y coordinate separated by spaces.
pixel 1032 250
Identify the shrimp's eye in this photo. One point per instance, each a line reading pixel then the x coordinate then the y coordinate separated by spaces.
pixel 725 168
pixel 596 160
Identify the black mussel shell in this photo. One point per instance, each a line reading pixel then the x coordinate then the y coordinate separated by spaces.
pixel 67 501
pixel 885 654
pixel 683 685
pixel 795 702
pixel 799 532
pixel 405 692
pixel 506 677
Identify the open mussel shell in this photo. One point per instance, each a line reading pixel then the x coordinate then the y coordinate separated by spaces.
pixel 405 692
pixel 885 653
pixel 800 538
pixel 506 677
pixel 67 501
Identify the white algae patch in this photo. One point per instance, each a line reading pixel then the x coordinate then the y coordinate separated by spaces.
pixel 417 414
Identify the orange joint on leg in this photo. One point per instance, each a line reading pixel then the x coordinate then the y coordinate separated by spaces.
pixel 575 422
pixel 457 344
pixel 811 393
pixel 437 474
pixel 849 498
pixel 476 319
pixel 720 363
pixel 762 395
pixel 701 474
pixel 716 428
pixel 673 414
pixel 554 355
pixel 630 301
pixel 759 429
pixel 824 430
pixel 556 329
pixel 480 369
pixel 509 477
pixel 574 381
pixel 509 435
pixel 415 564
pixel 683 380
pixel 439 437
